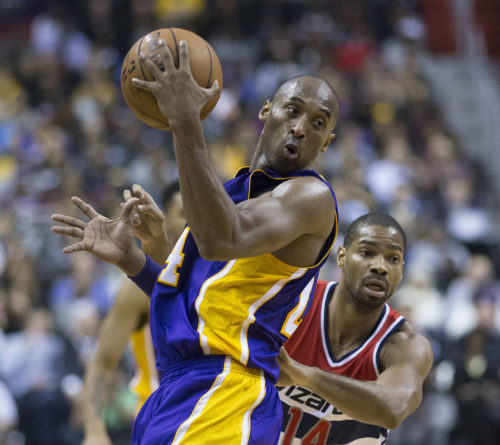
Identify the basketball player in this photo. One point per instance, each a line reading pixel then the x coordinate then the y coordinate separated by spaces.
pixel 354 368
pixel 240 275
pixel 129 319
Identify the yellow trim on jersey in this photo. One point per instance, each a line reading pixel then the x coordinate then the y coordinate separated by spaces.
pixel 222 415
pixel 145 380
pixel 227 302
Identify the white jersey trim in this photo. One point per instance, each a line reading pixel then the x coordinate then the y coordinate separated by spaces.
pixel 359 349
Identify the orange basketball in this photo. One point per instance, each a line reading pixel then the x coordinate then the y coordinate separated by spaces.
pixel 205 68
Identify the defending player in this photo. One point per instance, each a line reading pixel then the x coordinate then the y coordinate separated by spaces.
pixel 240 275
pixel 128 319
pixel 354 367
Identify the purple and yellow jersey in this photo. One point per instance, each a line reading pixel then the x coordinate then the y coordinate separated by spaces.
pixel 244 308
pixel 146 378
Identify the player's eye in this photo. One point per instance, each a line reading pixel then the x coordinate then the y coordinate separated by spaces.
pixel 293 110
pixel 395 259
pixel 319 123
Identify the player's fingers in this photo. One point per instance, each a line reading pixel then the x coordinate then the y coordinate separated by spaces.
pixel 143 85
pixel 75 232
pixel 139 192
pixel 166 56
pixel 184 56
pixel 283 353
pixel 77 247
pixel 150 65
pixel 69 220
pixel 148 209
pixel 213 90
pixel 143 195
pixel 84 207
pixel 127 194
pixel 127 209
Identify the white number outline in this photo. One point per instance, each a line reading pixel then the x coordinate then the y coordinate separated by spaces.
pixel 293 318
pixel 169 275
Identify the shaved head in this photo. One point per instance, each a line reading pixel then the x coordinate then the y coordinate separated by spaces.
pixel 313 86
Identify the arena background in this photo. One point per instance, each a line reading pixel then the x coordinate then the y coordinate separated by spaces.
pixel 418 137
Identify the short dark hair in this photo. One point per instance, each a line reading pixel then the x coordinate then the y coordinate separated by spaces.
pixel 372 219
pixel 168 192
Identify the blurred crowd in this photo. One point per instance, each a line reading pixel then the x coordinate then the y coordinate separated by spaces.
pixel 65 130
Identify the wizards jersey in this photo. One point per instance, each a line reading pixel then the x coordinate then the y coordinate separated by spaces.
pixel 244 308
pixel 308 418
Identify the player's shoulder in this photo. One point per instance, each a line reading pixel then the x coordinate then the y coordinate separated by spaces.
pixel 408 342
pixel 306 188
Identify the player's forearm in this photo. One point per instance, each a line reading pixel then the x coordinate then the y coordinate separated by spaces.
pixel 365 401
pixel 209 210
pixel 98 381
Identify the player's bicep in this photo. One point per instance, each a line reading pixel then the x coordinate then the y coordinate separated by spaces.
pixel 407 363
pixel 293 209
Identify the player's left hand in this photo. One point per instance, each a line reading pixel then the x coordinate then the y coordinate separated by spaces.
pixel 147 217
pixel 291 372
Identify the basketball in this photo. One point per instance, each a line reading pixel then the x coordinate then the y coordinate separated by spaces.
pixel 204 63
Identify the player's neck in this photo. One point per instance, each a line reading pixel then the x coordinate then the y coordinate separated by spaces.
pixel 348 326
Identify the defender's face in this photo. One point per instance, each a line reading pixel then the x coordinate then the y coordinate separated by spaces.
pixel 298 126
pixel 372 266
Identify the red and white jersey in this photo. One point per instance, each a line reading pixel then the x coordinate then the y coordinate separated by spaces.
pixel 309 419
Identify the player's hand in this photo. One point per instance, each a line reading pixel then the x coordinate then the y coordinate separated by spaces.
pixel 111 240
pixel 291 371
pixel 177 93
pixel 147 218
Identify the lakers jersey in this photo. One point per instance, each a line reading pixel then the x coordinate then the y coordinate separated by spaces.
pixel 146 378
pixel 308 418
pixel 244 308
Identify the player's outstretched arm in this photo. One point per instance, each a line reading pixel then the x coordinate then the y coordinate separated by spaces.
pixel 111 240
pixel 223 230
pixel 387 401
pixel 129 308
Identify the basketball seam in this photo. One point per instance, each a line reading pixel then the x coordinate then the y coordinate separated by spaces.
pixel 210 73
pixel 176 47
pixel 132 105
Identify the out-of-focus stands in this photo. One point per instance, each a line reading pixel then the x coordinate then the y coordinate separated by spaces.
pixel 65 130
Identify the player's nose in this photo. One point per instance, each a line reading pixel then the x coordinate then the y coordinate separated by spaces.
pixel 298 127
pixel 379 265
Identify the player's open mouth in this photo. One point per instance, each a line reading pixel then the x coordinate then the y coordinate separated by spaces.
pixel 375 288
pixel 291 150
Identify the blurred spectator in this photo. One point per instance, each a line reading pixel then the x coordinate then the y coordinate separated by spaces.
pixel 476 385
pixel 65 130
pixel 460 314
pixel 33 364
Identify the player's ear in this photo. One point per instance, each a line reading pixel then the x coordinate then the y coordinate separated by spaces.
pixel 341 257
pixel 328 141
pixel 264 111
